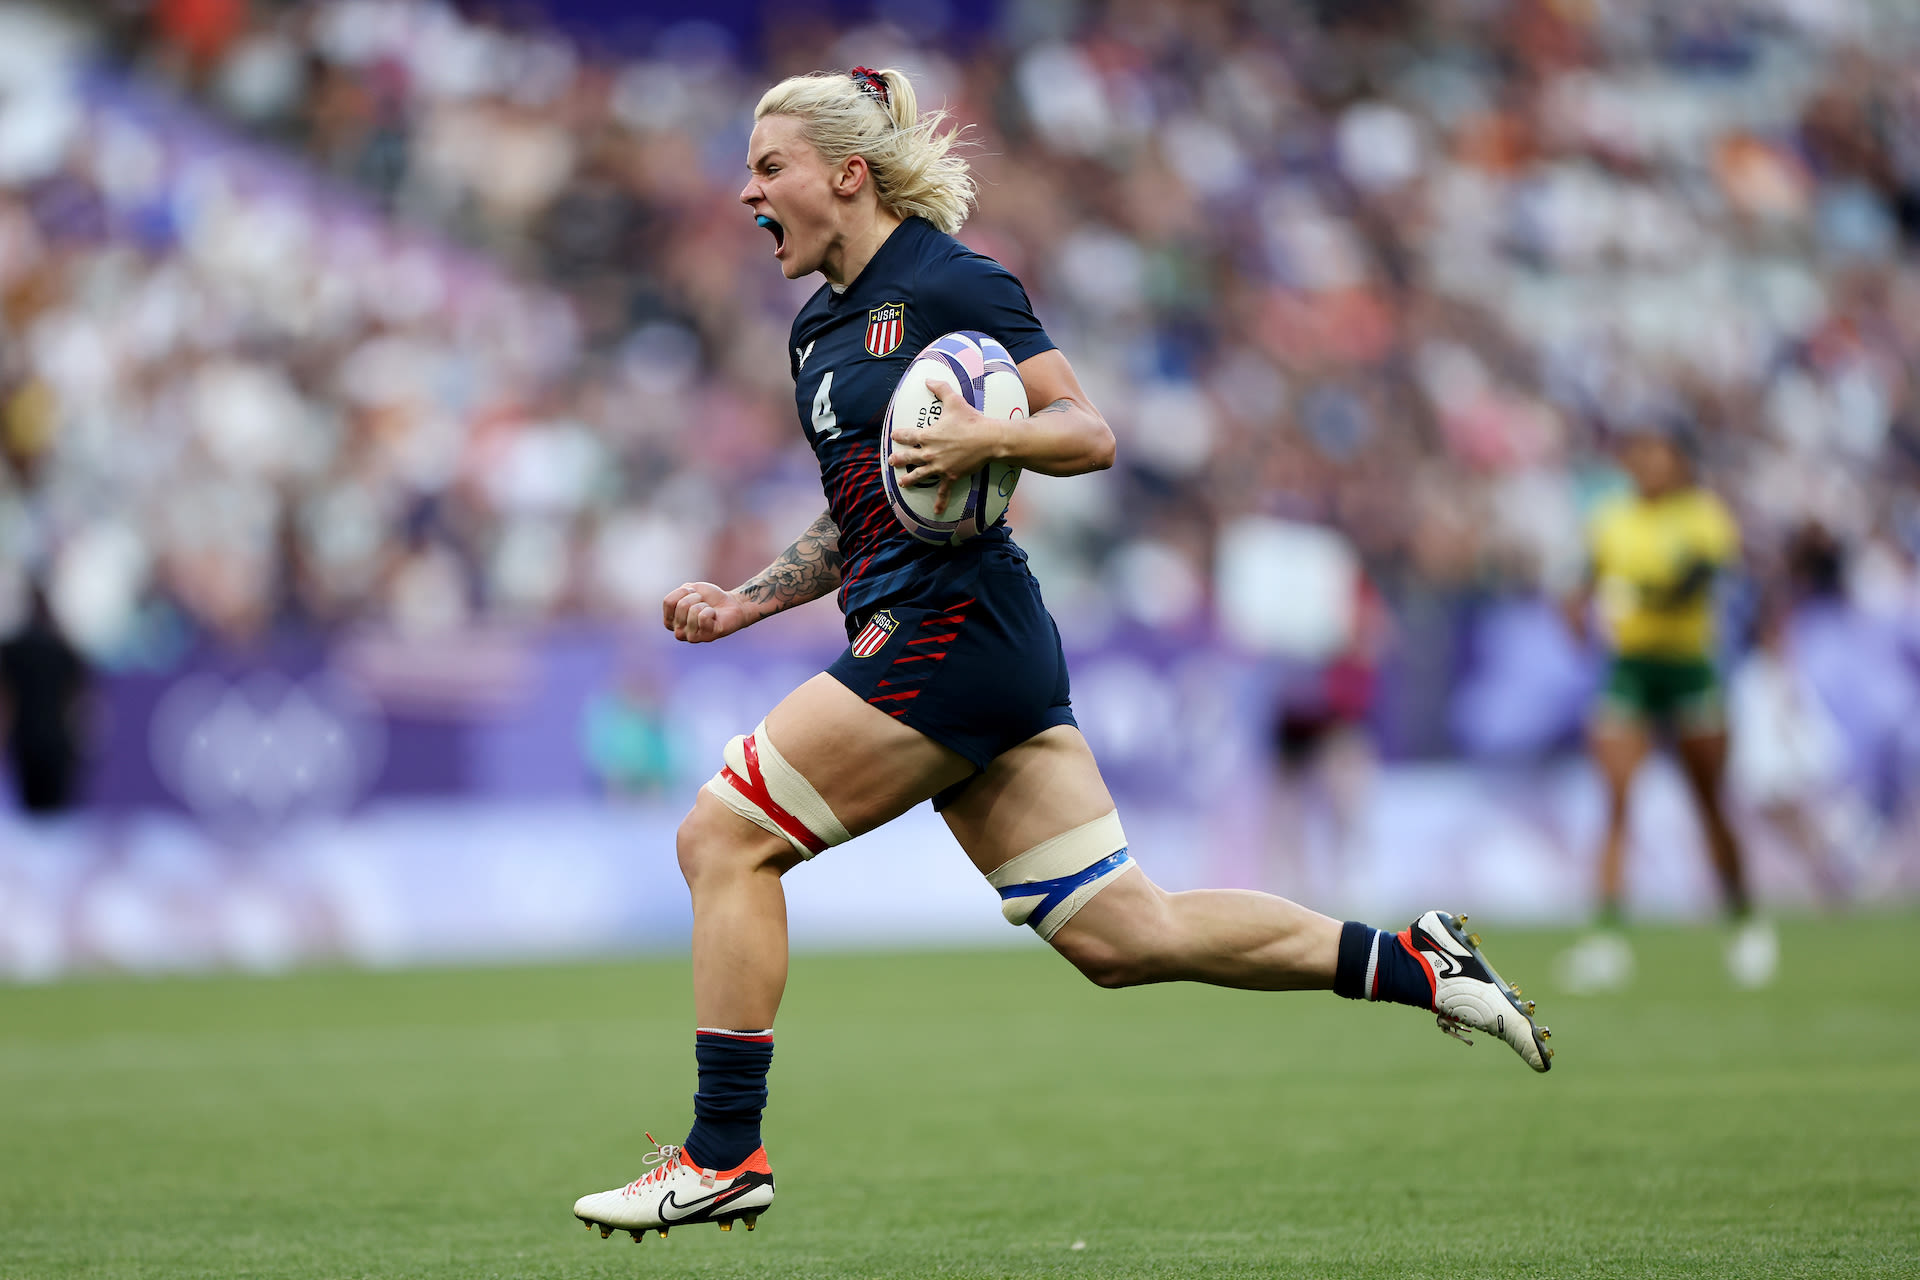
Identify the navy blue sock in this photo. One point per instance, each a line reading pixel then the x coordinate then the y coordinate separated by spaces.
pixel 1350 970
pixel 733 1093
pixel 1376 965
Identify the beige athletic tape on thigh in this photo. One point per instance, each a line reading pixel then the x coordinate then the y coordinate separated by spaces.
pixel 1045 885
pixel 758 784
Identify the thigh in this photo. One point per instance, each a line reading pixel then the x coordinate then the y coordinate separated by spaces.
pixel 975 664
pixel 1046 785
pixel 1619 746
pixel 868 766
pixel 1703 758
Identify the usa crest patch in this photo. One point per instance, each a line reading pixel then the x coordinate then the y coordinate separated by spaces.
pixel 886 328
pixel 873 637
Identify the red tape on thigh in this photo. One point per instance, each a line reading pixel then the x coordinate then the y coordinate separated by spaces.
pixel 754 788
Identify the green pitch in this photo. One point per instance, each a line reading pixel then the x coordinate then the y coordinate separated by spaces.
pixel 977 1115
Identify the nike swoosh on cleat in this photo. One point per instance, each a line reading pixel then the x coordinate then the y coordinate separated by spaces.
pixel 713 1201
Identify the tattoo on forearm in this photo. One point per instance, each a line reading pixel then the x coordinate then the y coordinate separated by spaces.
pixel 1061 405
pixel 807 570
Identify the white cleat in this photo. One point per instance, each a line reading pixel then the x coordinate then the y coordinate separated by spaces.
pixel 1469 996
pixel 675 1191
pixel 1754 955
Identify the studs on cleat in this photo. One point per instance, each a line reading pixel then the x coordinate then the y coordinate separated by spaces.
pixel 605 1231
pixel 638 1235
pixel 726 1224
pixel 586 1224
pixel 1460 920
pixel 663 1233
pixel 1473 939
pixel 1529 1006
pixel 1546 1033
pixel 750 1219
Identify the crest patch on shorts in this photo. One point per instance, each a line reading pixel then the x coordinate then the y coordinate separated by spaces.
pixel 886 328
pixel 873 637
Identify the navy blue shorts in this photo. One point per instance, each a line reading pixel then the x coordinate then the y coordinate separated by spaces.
pixel 973 661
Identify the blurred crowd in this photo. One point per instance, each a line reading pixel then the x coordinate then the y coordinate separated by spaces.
pixel 422 314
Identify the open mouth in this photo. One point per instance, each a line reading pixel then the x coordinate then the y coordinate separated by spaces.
pixel 779 232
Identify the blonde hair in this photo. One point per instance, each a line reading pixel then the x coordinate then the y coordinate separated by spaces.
pixel 914 164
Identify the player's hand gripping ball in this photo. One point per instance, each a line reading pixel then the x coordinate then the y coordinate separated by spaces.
pixel 943 485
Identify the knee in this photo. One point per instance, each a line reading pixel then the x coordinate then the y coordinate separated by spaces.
pixel 1104 963
pixel 1126 944
pixel 714 844
pixel 696 846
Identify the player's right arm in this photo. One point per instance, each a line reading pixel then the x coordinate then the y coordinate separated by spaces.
pixel 1576 607
pixel 1576 604
pixel 700 611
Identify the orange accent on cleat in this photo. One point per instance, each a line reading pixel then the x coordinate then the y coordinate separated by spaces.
pixel 755 1163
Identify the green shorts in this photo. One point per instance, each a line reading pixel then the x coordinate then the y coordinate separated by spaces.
pixel 1681 694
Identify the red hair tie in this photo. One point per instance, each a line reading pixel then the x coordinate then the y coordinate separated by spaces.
pixel 871 84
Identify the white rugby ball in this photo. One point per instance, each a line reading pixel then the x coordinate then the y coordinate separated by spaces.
pixel 981 368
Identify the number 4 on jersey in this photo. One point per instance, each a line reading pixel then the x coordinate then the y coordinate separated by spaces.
pixel 826 426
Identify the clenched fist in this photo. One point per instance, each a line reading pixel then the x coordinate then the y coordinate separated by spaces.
pixel 697 612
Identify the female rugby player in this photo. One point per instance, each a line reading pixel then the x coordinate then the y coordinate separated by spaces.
pixel 954 688
pixel 1654 557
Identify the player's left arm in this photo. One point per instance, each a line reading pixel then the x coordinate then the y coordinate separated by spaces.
pixel 1065 435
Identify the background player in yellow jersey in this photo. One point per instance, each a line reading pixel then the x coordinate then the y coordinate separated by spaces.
pixel 1654 557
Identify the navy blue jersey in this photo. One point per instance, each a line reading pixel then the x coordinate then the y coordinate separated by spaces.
pixel 849 350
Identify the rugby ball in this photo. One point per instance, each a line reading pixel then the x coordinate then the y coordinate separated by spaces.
pixel 984 371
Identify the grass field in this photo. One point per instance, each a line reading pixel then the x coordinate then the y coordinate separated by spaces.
pixel 977 1115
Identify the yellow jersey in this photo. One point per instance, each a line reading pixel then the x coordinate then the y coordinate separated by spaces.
pixel 1646 556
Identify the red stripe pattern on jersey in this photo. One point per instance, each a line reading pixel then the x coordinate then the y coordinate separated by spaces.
pixel 902 686
pixel 857 500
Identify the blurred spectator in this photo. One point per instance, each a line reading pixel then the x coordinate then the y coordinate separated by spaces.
pixel 625 738
pixel 43 695
pixel 1325 760
pixel 199 31
pixel 1788 762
